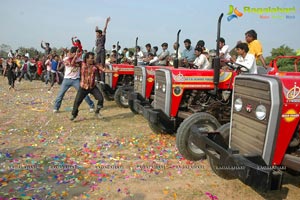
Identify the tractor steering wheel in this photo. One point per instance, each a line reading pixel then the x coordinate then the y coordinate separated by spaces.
pixel 193 67
pixel 237 67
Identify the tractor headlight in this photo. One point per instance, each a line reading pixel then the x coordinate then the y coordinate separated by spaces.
pixel 156 85
pixel 136 78
pixel 238 104
pixel 261 112
pixel 163 88
pixel 141 78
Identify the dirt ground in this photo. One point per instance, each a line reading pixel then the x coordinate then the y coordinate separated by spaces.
pixel 44 155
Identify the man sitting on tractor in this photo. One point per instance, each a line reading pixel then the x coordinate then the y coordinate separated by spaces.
pixel 201 61
pixel 246 59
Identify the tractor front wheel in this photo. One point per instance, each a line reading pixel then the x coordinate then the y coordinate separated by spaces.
pixel 205 122
pixel 121 97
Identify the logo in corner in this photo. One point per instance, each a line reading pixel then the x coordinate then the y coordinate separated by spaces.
pixel 233 13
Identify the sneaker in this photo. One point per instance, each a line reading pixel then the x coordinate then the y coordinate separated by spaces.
pixel 72 118
pixel 55 111
pixel 92 110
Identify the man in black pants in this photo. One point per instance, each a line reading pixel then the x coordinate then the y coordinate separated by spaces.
pixel 100 46
pixel 88 85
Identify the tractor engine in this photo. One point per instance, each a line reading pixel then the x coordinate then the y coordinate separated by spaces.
pixel 202 101
pixel 126 80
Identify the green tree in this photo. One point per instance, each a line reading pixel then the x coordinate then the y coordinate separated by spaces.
pixel 284 64
pixel 32 51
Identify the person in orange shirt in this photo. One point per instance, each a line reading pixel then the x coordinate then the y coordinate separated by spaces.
pixel 255 46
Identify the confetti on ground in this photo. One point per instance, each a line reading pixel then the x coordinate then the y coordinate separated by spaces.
pixel 45 156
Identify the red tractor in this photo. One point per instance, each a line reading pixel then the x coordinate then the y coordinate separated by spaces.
pixel 144 78
pixel 185 97
pixel 117 84
pixel 143 92
pixel 262 138
pixel 296 59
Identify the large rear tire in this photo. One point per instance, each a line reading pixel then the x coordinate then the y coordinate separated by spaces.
pixel 205 122
pixel 121 97
pixel 220 170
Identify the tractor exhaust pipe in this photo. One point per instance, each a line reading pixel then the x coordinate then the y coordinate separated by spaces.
pixel 117 55
pixel 216 62
pixel 135 57
pixel 176 61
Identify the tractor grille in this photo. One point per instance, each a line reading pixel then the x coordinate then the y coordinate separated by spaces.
pixel 139 80
pixel 248 134
pixel 109 76
pixel 162 90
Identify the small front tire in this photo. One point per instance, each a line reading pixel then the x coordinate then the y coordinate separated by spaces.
pixel 204 122
pixel 121 97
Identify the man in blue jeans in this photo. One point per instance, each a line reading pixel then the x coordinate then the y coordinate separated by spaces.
pixel 71 78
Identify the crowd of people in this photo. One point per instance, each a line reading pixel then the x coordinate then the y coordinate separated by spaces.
pixel 66 68
pixel 197 56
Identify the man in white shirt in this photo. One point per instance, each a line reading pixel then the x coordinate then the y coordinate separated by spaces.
pixel 139 54
pixel 153 60
pixel 10 54
pixel 172 57
pixel 246 59
pixel 71 78
pixel 201 61
pixel 224 50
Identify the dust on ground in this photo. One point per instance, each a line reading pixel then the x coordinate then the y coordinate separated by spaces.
pixel 44 155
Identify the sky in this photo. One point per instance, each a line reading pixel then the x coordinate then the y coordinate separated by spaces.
pixel 25 23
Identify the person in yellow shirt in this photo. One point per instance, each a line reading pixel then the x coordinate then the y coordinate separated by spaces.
pixel 19 62
pixel 255 46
